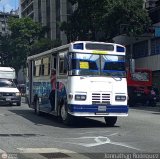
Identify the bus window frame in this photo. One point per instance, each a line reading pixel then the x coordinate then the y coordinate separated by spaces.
pixel 62 70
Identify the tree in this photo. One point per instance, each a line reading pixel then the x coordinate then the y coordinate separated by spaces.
pixel 26 38
pixel 108 16
pixel 125 15
pixel 85 21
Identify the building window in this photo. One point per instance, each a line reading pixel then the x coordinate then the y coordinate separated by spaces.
pixel 58 6
pixel 48 18
pixel 155 15
pixel 39 11
pixel 155 46
pixel 140 49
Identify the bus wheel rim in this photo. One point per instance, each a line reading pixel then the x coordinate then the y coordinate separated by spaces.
pixel 63 112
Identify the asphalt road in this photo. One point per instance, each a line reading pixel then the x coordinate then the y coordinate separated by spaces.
pixel 25 135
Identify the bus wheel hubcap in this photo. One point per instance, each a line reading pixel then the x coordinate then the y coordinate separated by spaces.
pixel 63 112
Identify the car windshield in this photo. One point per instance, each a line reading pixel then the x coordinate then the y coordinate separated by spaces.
pixel 7 83
pixel 94 64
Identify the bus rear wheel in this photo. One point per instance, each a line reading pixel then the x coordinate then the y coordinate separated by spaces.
pixel 65 116
pixel 110 121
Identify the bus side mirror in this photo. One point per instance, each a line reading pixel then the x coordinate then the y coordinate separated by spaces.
pixel 132 65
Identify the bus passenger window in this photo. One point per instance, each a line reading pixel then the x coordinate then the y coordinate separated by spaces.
pixel 37 67
pixel 37 70
pixel 62 67
pixel 42 69
pixel 46 66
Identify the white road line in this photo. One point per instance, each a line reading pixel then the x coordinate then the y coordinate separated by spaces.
pixel 72 154
pixel 96 141
pixel 38 150
pixel 2 151
pixel 124 145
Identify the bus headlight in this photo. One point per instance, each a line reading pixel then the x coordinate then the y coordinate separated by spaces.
pixel 80 97
pixel 120 98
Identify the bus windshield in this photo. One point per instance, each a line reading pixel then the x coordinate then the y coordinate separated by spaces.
pixel 95 64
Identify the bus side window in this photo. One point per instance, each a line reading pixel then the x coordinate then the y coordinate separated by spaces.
pixel 37 68
pixel 45 66
pixel 62 67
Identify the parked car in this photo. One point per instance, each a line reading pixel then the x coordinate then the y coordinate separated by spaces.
pixel 9 93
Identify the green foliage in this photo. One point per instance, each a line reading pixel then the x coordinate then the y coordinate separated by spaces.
pixel 109 17
pixel 85 22
pixel 44 44
pixel 125 16
pixel 26 38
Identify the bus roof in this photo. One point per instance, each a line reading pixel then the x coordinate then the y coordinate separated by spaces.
pixel 68 46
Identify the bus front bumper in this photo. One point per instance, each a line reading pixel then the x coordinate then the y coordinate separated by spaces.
pixel 98 110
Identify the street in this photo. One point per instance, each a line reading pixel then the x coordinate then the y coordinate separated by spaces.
pixel 25 135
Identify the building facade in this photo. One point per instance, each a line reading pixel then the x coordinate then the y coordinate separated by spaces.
pixel 145 49
pixel 49 13
pixel 3 21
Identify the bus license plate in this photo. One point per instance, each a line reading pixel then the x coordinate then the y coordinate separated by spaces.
pixel 101 108
pixel 138 94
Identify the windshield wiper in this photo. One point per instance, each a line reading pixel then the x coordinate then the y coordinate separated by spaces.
pixel 115 78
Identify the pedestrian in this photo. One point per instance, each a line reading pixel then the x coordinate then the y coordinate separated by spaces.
pixel 53 85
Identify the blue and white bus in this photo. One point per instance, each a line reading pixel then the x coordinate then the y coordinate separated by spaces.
pixel 90 81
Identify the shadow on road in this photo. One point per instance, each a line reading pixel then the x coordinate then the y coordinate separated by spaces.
pixel 156 113
pixel 47 119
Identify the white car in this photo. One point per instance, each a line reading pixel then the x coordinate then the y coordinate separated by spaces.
pixel 9 93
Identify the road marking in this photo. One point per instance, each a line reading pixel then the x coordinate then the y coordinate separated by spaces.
pixel 72 154
pixel 38 150
pixel 2 151
pixel 96 141
pixel 125 145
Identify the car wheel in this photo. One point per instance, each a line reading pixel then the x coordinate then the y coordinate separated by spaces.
pixel 110 121
pixel 18 103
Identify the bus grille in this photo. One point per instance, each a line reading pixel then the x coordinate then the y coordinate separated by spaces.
pixel 100 98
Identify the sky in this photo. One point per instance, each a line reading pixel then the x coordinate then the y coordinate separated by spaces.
pixel 8 5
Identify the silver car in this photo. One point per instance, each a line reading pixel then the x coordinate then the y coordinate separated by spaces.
pixel 9 94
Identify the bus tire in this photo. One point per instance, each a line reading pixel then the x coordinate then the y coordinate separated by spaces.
pixel 110 121
pixel 65 116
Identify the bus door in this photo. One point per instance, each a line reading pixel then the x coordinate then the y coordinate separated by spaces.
pixel 53 81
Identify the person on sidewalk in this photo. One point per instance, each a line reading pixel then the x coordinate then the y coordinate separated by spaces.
pixel 152 98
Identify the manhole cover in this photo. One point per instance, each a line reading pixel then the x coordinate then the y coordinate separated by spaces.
pixel 54 155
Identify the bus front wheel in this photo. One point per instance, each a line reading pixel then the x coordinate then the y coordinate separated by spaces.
pixel 110 121
pixel 65 116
